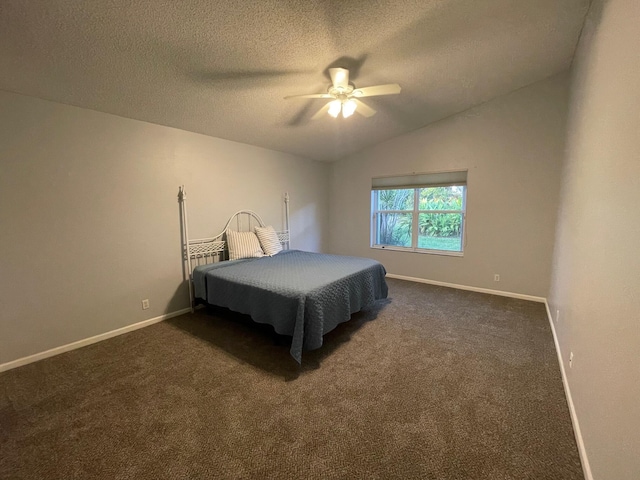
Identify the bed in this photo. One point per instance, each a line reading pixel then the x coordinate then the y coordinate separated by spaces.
pixel 300 294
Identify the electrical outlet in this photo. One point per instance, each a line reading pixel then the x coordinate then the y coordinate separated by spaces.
pixel 496 278
pixel 571 360
pixel 557 315
pixel 145 303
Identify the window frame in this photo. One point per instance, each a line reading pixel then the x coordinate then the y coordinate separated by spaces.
pixel 415 224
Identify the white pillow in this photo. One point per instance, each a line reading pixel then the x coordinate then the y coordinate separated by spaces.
pixel 243 245
pixel 269 240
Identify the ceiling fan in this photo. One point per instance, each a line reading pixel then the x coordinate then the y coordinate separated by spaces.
pixel 345 97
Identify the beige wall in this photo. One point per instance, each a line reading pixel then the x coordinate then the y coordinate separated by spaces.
pixel 512 147
pixel 596 272
pixel 90 220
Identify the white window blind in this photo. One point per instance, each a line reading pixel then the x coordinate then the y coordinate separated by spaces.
pixel 438 179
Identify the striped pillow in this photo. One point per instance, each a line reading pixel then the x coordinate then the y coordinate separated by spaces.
pixel 269 240
pixel 243 245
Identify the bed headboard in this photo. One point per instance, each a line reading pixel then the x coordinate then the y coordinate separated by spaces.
pixel 203 251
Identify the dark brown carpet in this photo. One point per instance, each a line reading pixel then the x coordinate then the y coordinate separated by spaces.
pixel 433 383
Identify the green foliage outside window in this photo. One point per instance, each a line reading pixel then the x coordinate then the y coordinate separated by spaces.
pixel 394 228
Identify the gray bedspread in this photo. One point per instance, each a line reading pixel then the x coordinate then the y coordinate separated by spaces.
pixel 301 294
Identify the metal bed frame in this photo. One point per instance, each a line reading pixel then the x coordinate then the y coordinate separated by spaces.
pixel 203 251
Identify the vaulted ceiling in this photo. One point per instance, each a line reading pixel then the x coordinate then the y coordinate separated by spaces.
pixel 222 68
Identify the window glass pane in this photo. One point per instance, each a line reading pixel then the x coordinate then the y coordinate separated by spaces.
pixel 394 229
pixel 442 198
pixel 395 199
pixel 440 231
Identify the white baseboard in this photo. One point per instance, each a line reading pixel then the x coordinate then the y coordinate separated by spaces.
pixel 88 341
pixel 586 468
pixel 466 287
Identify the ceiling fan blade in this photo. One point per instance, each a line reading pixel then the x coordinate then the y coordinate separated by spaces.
pixel 339 77
pixel 321 112
pixel 363 109
pixel 390 89
pixel 312 95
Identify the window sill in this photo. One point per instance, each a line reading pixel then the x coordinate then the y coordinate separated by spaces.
pixel 446 253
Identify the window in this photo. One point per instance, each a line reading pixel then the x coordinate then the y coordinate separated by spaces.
pixel 421 213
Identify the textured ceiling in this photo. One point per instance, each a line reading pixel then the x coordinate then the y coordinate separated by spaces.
pixel 222 68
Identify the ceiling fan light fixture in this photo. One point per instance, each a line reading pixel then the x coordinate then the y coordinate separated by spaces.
pixel 334 108
pixel 348 108
pixel 346 98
